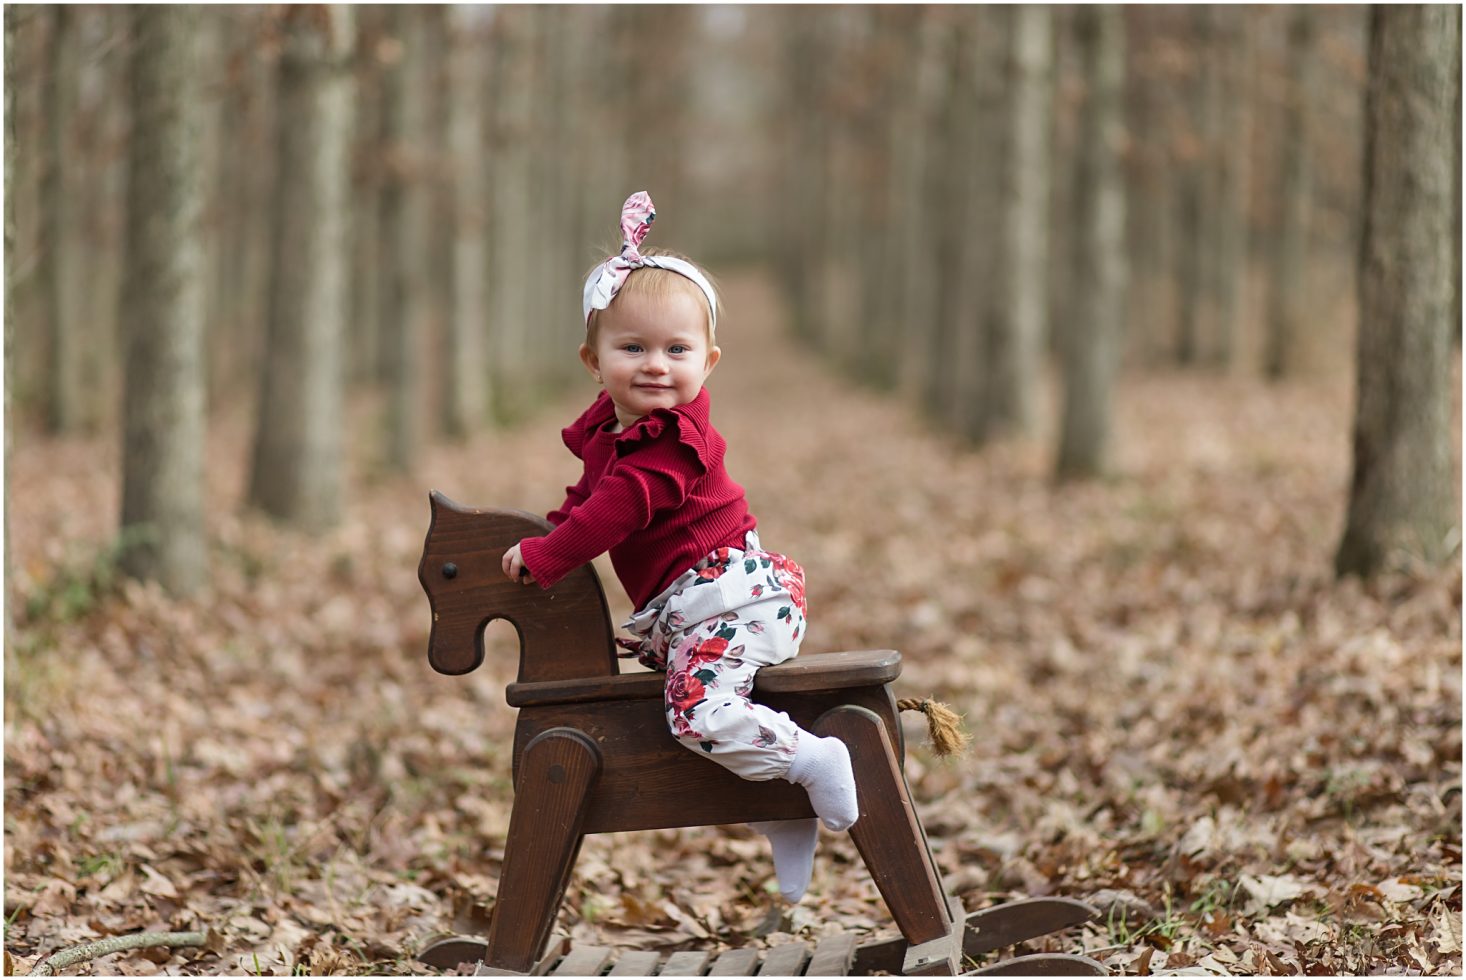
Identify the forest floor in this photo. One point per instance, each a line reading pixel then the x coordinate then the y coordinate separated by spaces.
pixel 1179 714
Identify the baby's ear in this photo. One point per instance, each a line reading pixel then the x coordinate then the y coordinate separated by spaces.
pixel 592 362
pixel 715 354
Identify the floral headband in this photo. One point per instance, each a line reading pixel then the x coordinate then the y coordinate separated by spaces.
pixel 637 215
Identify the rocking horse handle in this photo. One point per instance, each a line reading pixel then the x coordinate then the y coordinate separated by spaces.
pixel 564 632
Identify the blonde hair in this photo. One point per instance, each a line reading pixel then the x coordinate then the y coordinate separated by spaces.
pixel 655 283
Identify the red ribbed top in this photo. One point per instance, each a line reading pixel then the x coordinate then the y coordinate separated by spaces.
pixel 655 495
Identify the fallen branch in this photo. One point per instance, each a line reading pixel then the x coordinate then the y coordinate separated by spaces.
pixel 136 940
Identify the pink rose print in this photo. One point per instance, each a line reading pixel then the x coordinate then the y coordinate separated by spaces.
pixel 684 691
pixel 715 568
pixel 703 651
pixel 791 577
pixel 682 728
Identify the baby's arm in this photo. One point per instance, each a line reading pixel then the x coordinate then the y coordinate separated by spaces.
pixel 655 478
pixel 574 497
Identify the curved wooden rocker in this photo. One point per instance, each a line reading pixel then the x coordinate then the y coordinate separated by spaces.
pixel 592 754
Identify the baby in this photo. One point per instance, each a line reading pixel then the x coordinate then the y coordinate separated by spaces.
pixel 713 605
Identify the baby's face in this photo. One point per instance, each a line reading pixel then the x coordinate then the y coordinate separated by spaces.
pixel 651 353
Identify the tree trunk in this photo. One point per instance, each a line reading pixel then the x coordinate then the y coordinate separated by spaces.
pixel 230 216
pixel 918 154
pixel 163 407
pixel 513 207
pixel 397 254
pixel 1092 349
pixel 10 16
pixel 1152 185
pixel 435 212
pixel 1022 319
pixel 884 321
pixel 1400 500
pixel 465 383
pixel 296 475
pixel 1288 292
pixel 962 355
pixel 102 113
pixel 800 229
pixel 1197 218
pixel 1232 166
pixel 56 271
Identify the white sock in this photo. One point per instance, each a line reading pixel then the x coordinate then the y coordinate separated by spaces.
pixel 822 767
pixel 793 842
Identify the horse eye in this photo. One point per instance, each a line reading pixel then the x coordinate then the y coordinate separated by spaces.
pixel 450 570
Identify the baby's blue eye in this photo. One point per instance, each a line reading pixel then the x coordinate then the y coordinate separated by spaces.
pixel 680 348
pixel 632 348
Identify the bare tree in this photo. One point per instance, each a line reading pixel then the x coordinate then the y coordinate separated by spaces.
pixel 56 269
pixel 513 80
pixel 465 384
pixel 1197 259
pixel 163 406
pixel 1091 348
pixel 973 269
pixel 1288 292
pixel 1022 322
pixel 1400 499
pixel 399 260
pixel 296 473
pixel 1231 177
pixel 11 15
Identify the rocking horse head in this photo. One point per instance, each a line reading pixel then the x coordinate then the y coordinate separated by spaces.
pixel 564 631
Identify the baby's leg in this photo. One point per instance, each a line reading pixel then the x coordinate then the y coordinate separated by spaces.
pixel 792 842
pixel 710 672
pixel 710 675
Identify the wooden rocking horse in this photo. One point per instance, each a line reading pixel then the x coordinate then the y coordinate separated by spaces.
pixel 592 754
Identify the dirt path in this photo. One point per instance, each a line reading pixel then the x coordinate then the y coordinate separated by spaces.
pixel 1175 706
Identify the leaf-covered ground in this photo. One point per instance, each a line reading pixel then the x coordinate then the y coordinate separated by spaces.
pixel 1179 714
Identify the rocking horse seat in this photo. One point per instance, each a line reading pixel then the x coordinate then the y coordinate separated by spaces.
pixel 808 672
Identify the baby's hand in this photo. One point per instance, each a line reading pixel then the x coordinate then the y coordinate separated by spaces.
pixel 513 566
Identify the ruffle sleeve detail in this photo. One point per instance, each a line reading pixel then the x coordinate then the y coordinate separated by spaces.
pixel 669 425
pixel 576 433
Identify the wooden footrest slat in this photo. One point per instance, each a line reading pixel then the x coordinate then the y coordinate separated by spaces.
pixel 689 963
pixel 735 963
pixel 832 956
pixel 584 961
pixel 785 961
pixel 636 963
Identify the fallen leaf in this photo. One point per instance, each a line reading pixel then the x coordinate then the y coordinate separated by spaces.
pixel 1270 891
pixel 1445 932
pixel 1398 891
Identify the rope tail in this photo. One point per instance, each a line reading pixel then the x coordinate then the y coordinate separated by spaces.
pixel 944 724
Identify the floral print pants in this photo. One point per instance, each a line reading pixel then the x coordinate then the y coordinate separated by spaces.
pixel 711 630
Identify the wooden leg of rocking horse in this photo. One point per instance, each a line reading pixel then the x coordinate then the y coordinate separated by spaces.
pixel 556 774
pixel 892 843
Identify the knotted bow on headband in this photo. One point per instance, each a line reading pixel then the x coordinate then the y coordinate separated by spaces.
pixel 637 215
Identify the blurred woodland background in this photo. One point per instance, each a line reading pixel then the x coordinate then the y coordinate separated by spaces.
pixel 1154 310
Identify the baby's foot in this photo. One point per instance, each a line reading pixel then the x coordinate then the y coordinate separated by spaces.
pixel 793 843
pixel 822 767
